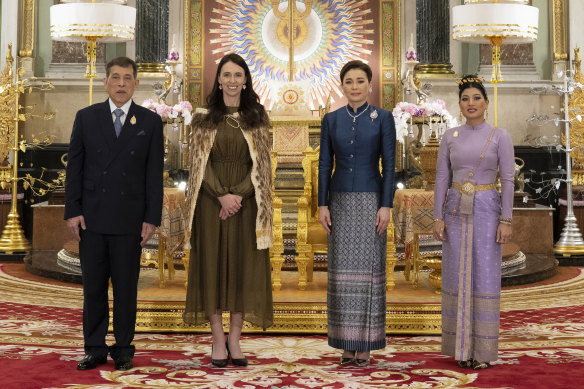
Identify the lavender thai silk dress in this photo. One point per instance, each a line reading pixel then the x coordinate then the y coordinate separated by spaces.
pixel 471 257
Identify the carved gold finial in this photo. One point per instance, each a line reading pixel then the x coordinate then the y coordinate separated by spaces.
pixel 9 57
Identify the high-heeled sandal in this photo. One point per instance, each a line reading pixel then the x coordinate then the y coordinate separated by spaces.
pixel 476 365
pixel 346 361
pixel 361 362
pixel 219 362
pixel 235 361
pixel 465 364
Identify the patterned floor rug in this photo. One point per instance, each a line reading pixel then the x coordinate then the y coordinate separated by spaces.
pixel 541 346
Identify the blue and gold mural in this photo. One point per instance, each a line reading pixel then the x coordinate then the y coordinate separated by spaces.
pixel 325 34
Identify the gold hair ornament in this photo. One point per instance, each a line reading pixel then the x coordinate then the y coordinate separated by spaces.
pixel 468 80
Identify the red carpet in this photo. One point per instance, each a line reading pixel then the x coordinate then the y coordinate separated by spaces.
pixel 539 348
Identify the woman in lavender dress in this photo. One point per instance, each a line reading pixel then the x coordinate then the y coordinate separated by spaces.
pixel 473 221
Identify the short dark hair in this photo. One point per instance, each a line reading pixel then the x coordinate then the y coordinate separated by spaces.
pixel 471 81
pixel 356 64
pixel 123 62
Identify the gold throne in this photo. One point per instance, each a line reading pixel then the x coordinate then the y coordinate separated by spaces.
pixel 311 237
pixel 276 258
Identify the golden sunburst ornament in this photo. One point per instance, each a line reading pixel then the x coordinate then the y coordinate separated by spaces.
pixel 255 30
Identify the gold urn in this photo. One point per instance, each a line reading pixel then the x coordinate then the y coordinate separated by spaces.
pixel 435 277
pixel 424 156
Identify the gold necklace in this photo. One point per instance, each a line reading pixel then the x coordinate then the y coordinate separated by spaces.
pixel 232 117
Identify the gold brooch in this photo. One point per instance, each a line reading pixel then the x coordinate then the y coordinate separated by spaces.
pixel 468 188
pixel 455 134
pixel 133 120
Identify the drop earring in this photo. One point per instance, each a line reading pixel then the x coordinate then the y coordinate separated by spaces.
pixel 244 86
pixel 220 87
pixel 460 116
pixel 486 115
pixel 370 90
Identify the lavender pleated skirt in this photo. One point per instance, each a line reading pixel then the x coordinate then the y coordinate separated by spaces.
pixel 471 278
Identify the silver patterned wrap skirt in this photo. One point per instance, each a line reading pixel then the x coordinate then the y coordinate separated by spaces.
pixel 356 273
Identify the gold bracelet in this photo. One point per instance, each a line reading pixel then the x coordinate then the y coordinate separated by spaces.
pixel 505 219
pixel 438 220
pixel 504 222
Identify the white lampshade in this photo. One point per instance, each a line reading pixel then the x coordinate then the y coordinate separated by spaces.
pixel 109 22
pixel 476 21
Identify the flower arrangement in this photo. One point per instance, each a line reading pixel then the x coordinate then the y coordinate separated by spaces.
pixel 404 112
pixel 182 109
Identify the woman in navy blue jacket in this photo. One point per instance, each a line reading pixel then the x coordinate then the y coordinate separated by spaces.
pixel 354 209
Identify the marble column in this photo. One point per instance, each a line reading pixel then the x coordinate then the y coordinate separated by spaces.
pixel 433 38
pixel 151 35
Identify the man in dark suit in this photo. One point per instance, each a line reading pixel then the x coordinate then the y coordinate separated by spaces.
pixel 113 203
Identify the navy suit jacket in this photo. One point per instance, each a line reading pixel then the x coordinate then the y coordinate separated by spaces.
pixel 354 150
pixel 115 183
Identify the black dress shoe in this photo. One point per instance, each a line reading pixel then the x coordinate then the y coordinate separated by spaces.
pixel 91 362
pixel 124 363
pixel 235 361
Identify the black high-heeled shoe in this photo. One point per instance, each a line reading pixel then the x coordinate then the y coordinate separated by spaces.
pixel 219 362
pixel 235 361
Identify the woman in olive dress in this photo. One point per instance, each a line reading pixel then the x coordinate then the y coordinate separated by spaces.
pixel 230 212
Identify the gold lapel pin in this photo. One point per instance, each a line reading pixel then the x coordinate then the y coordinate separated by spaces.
pixel 133 120
pixel 455 134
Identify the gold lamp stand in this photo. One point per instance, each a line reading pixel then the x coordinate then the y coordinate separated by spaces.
pixel 90 71
pixel 13 239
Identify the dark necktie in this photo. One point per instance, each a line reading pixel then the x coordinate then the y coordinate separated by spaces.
pixel 118 122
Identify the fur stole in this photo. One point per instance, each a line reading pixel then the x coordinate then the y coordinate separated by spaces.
pixel 258 141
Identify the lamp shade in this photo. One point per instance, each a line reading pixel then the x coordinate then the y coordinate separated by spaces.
pixel 476 22
pixel 109 22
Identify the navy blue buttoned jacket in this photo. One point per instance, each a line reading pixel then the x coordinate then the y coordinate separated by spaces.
pixel 115 183
pixel 354 150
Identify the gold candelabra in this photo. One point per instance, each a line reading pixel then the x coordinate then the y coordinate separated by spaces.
pixel 11 113
pixel 13 239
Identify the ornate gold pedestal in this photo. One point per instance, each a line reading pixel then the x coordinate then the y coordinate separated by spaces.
pixel 424 156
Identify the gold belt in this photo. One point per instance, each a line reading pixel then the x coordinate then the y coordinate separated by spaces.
pixel 469 188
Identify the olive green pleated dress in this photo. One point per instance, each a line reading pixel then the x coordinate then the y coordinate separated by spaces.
pixel 226 270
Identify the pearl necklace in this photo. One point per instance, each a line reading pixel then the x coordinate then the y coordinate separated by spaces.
pixel 359 114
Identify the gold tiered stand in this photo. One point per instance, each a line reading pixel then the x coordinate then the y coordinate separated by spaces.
pixel 13 239
pixel 424 156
